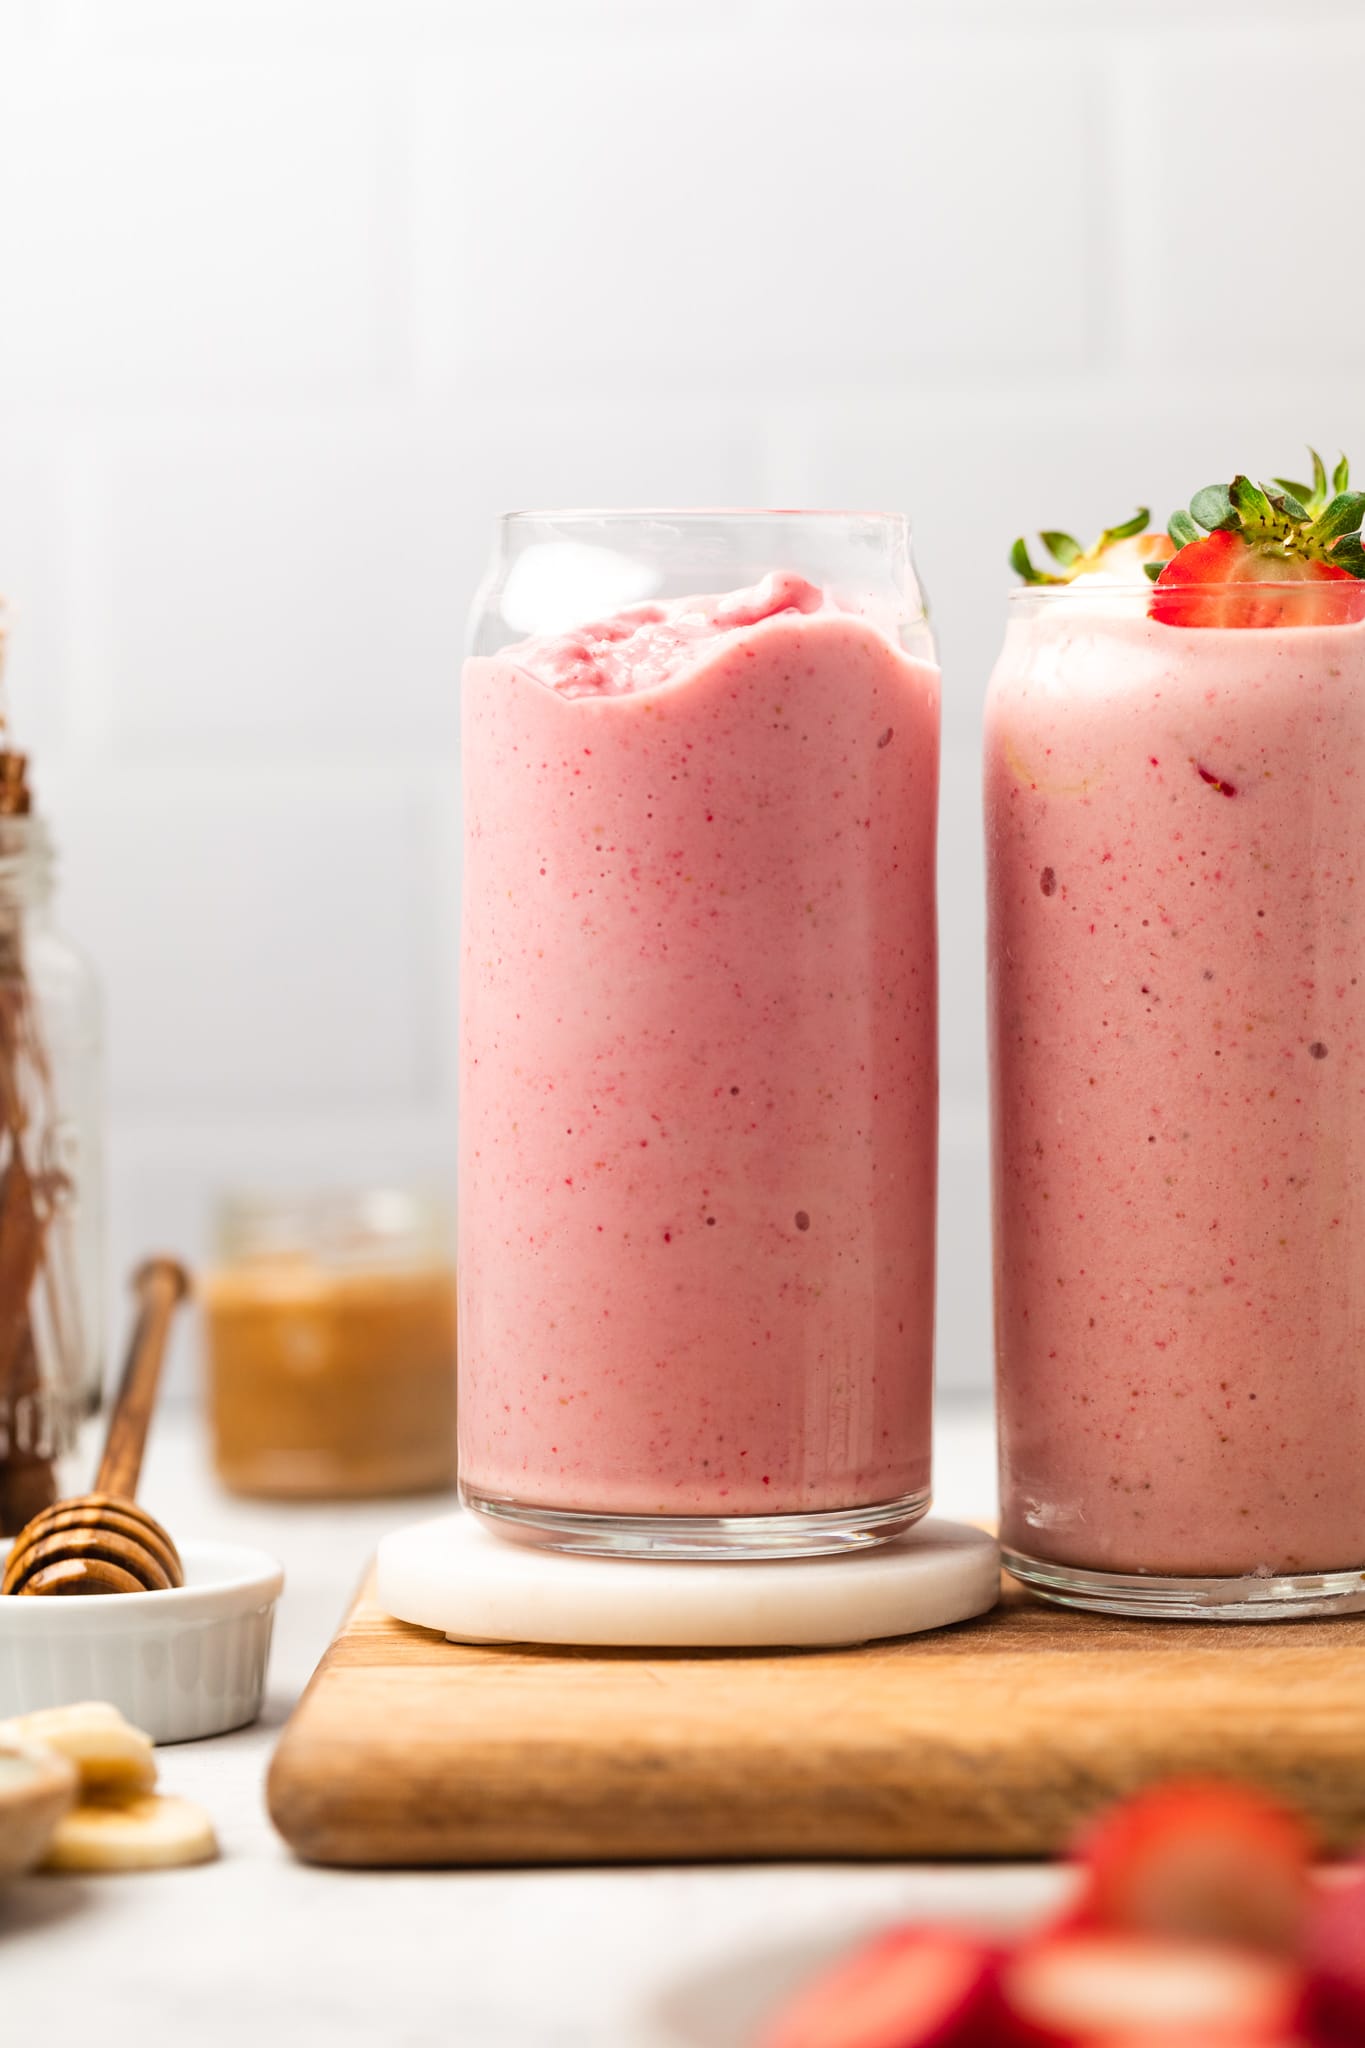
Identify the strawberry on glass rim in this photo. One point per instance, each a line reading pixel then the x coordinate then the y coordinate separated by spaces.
pixel 1122 554
pixel 1259 555
pixel 1245 554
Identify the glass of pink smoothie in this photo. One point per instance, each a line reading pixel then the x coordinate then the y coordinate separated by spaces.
pixel 698 1034
pixel 1175 827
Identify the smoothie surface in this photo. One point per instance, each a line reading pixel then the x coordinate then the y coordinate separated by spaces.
pixel 648 645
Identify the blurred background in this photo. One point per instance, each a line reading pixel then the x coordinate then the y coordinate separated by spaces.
pixel 296 294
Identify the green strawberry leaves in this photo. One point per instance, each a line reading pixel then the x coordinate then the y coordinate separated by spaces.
pixel 1342 516
pixel 1022 566
pixel 1066 551
pixel 1129 530
pixel 1211 508
pixel 1250 503
pixel 1285 502
pixel 1311 499
pixel 1285 520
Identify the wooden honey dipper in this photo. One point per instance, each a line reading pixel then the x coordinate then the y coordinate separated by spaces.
pixel 102 1542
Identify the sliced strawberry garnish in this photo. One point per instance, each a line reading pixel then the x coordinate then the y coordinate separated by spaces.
pixel 1257 555
pixel 1220 581
pixel 1084 1987
pixel 1126 560
pixel 1120 555
pixel 916 1988
pixel 1199 1859
pixel 1199 2037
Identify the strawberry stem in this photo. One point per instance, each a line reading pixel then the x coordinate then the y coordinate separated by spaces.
pixel 1066 551
pixel 1285 521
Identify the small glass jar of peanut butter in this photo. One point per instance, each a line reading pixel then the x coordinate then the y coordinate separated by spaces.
pixel 329 1333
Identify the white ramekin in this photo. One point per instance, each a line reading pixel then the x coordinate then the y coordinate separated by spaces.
pixel 184 1663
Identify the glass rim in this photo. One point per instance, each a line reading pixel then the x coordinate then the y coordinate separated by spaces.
pixel 604 514
pixel 1050 593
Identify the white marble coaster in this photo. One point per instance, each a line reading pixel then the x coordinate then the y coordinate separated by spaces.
pixel 454 1574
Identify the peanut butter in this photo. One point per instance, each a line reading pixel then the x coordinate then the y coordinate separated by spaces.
pixel 331 1364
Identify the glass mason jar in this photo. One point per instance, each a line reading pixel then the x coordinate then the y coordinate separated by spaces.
pixel 1175 829
pixel 699 1033
pixel 329 1326
pixel 51 1170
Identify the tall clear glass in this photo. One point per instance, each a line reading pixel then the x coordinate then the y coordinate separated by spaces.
pixel 1175 821
pixel 699 1023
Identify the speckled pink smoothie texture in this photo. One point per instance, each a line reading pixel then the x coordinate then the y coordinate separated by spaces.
pixel 699 1062
pixel 1175 825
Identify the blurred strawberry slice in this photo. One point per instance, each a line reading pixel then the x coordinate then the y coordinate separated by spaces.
pixel 1201 1859
pixel 1200 2037
pixel 1335 1950
pixel 916 1988
pixel 1091 1987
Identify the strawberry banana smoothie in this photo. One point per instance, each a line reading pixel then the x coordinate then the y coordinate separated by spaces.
pixel 1175 816
pixel 699 1066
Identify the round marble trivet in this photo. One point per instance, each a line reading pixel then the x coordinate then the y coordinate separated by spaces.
pixel 455 1575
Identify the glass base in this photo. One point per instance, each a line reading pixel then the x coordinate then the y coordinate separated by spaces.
pixel 1151 1596
pixel 701 1538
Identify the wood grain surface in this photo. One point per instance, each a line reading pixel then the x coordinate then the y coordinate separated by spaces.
pixel 994 1739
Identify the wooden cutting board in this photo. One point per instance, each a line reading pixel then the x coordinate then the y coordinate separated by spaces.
pixel 993 1739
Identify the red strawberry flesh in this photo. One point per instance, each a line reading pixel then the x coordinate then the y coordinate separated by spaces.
pixel 1221 581
pixel 1077 1987
pixel 916 1988
pixel 1200 2037
pixel 1201 1859
pixel 1335 1949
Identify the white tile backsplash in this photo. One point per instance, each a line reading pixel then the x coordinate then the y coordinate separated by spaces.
pixel 584 212
pixel 295 294
pixel 197 228
pixel 1210 255
pixel 310 27
pixel 275 581
pixel 964 1350
pixel 385 28
pixel 266 950
pixel 34 622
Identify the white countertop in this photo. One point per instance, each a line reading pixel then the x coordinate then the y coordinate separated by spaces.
pixel 259 1949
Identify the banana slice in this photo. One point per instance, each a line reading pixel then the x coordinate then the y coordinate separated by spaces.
pixel 110 1755
pixel 36 1789
pixel 146 1831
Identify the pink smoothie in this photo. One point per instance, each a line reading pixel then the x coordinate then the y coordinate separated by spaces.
pixel 699 1062
pixel 1176 844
